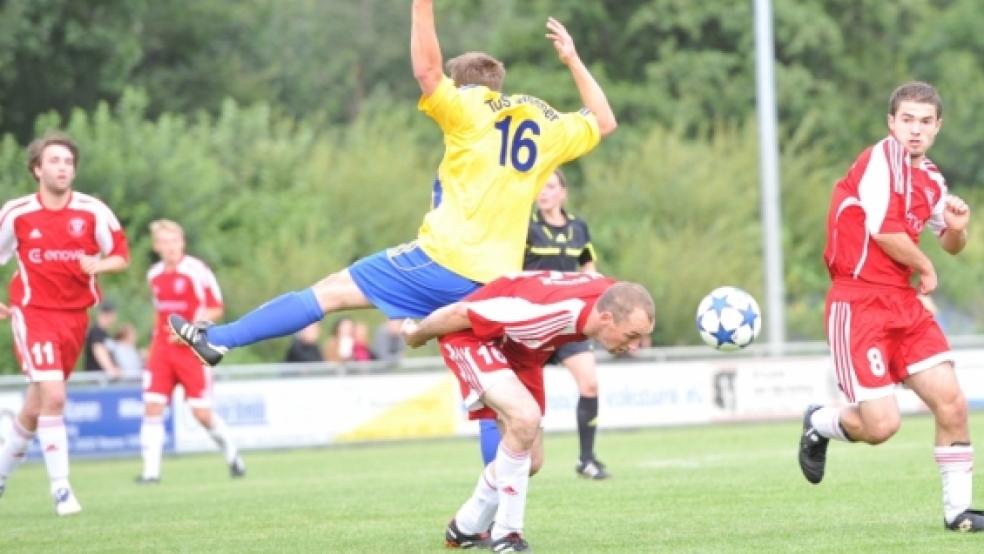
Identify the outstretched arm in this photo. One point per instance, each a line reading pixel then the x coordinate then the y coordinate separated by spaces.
pixel 425 51
pixel 450 318
pixel 591 94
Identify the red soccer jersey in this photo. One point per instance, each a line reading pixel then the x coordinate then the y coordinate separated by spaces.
pixel 881 193
pixel 534 312
pixel 187 290
pixel 48 245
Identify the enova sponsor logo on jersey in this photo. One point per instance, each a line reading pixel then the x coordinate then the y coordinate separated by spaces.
pixel 41 255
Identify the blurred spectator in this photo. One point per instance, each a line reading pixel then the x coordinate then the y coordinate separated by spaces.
pixel 123 348
pixel 304 346
pixel 387 344
pixel 339 346
pixel 360 346
pixel 97 354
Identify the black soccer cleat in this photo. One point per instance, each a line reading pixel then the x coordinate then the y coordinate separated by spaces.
pixel 813 448
pixel 237 468
pixel 454 538
pixel 970 521
pixel 141 480
pixel 194 335
pixel 513 542
pixel 592 469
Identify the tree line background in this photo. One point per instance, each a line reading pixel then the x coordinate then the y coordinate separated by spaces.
pixel 284 135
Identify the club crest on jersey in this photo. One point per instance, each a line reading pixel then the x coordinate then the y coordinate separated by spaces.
pixel 180 285
pixel 76 226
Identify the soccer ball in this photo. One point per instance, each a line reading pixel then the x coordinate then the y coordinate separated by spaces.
pixel 728 318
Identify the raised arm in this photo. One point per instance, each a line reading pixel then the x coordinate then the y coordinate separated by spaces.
pixel 956 215
pixel 591 94
pixel 450 318
pixel 425 51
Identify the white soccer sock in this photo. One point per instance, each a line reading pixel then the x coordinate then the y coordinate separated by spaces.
pixel 54 446
pixel 512 478
pixel 14 450
pixel 152 446
pixel 476 514
pixel 826 421
pixel 956 465
pixel 220 434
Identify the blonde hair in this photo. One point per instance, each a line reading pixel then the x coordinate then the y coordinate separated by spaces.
pixel 477 68
pixel 623 298
pixel 160 225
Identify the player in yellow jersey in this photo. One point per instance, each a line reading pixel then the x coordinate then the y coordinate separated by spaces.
pixel 499 150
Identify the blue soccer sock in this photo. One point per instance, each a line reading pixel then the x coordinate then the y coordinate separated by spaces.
pixel 488 435
pixel 283 315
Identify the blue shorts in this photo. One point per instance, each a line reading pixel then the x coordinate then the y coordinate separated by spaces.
pixel 404 282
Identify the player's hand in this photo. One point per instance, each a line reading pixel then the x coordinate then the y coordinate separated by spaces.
pixel 956 213
pixel 411 336
pixel 4 311
pixel 927 281
pixel 562 41
pixel 90 264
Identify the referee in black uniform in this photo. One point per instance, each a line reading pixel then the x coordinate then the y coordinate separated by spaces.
pixel 558 241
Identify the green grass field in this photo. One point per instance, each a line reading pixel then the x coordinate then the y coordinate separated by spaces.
pixel 734 488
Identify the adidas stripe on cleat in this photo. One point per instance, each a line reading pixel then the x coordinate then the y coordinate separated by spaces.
pixel 454 538
pixel 195 336
pixel 592 469
pixel 513 542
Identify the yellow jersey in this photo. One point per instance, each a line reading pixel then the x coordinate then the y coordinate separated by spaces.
pixel 498 151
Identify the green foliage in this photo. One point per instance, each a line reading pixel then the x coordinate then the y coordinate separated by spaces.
pixel 282 133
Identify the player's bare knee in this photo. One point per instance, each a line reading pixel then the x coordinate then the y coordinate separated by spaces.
pixel 525 424
pixel 153 409
pixel 882 429
pixel 588 387
pixel 952 412
pixel 53 402
pixel 203 415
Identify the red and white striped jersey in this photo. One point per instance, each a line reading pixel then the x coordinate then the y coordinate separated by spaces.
pixel 881 193
pixel 48 245
pixel 187 290
pixel 532 313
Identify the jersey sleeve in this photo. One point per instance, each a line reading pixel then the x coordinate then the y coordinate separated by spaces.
pixel 210 286
pixel 109 234
pixel 446 107
pixel 7 238
pixel 936 221
pixel 578 135
pixel 588 254
pixel 884 208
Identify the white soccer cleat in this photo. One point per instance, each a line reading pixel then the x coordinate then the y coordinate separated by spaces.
pixel 65 502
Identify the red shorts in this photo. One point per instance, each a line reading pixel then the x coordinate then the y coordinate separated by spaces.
pixel 480 364
pixel 48 342
pixel 170 364
pixel 879 337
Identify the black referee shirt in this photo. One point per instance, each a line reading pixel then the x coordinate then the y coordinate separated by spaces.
pixel 558 248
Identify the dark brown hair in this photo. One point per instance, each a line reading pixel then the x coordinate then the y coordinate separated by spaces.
pixel 36 149
pixel 915 91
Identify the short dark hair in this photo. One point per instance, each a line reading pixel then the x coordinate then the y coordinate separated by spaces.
pixel 915 91
pixel 623 298
pixel 477 68
pixel 36 149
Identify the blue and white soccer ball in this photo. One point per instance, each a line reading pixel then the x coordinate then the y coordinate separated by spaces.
pixel 728 318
